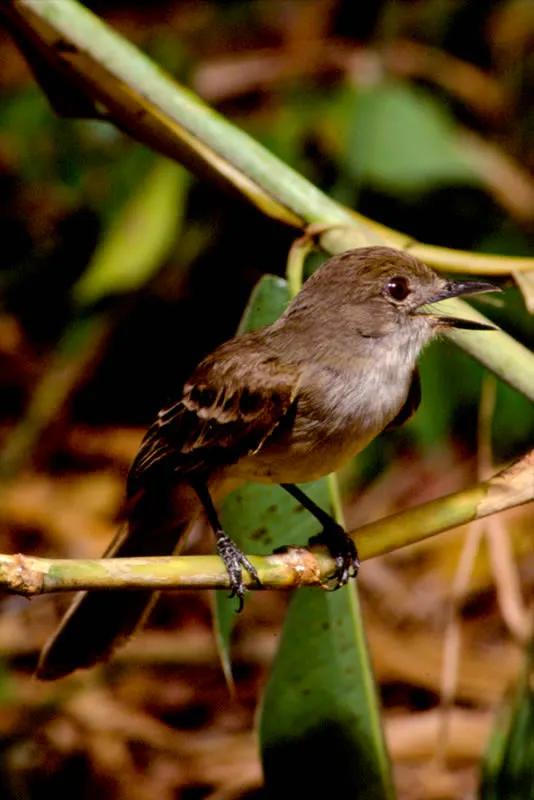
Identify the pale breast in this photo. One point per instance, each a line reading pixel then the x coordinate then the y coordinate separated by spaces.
pixel 337 415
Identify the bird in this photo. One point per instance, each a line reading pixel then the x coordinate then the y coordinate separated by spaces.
pixel 284 404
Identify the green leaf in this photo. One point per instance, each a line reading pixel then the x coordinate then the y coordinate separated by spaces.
pixel 508 766
pixel 320 728
pixel 259 519
pixel 400 139
pixel 139 238
pixel 267 302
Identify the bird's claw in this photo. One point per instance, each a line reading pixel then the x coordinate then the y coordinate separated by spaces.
pixel 343 550
pixel 235 561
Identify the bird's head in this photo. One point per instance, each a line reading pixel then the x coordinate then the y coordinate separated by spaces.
pixel 381 291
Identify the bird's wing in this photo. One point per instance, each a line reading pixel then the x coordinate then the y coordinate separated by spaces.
pixel 411 404
pixel 233 401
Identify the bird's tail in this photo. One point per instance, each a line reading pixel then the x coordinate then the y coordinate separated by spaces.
pixel 98 622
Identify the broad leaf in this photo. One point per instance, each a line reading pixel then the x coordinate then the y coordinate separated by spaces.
pixel 140 237
pixel 401 139
pixel 320 728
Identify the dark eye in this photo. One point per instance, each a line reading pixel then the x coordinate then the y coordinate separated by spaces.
pixel 398 288
pixel 203 396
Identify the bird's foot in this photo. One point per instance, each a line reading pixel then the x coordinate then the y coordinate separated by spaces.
pixel 234 561
pixel 343 551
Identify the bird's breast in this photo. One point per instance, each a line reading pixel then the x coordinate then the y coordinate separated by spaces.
pixel 338 413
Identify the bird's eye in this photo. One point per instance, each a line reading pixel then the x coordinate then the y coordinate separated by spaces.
pixel 398 288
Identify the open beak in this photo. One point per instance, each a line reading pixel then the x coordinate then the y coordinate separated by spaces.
pixel 458 289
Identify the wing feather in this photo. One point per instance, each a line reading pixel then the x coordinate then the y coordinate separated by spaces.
pixel 231 404
pixel 411 404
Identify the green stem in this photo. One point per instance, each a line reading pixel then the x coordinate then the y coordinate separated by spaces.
pixel 138 96
pixel 511 487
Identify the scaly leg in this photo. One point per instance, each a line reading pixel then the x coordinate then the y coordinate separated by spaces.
pixel 234 559
pixel 333 536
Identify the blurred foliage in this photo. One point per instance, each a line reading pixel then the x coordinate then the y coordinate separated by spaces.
pixel 385 145
pixel 508 767
pixel 343 98
pixel 134 248
pixel 399 139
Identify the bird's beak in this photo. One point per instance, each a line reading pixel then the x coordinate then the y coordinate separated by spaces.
pixel 458 289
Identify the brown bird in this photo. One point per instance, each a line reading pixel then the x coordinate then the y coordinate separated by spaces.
pixel 285 404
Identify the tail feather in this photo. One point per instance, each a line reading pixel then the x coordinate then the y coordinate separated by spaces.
pixel 97 622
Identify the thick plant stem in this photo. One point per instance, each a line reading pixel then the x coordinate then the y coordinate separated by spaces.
pixel 298 567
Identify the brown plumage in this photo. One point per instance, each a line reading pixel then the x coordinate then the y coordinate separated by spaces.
pixel 285 404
